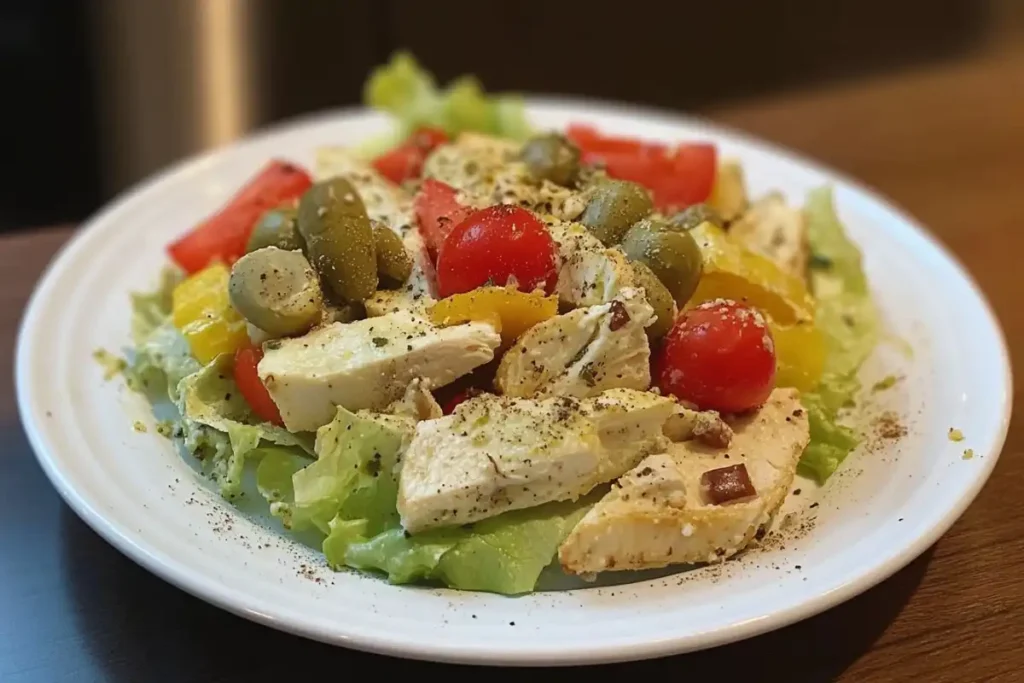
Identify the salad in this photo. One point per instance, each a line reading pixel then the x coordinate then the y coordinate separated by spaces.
pixel 468 350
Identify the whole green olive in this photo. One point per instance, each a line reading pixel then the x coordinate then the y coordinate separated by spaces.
pixel 659 298
pixel 339 239
pixel 276 228
pixel 394 265
pixel 277 291
pixel 673 256
pixel 692 216
pixel 551 157
pixel 614 206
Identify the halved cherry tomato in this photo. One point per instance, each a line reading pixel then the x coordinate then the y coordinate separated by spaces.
pixel 497 245
pixel 406 160
pixel 223 236
pixel 719 356
pixel 438 211
pixel 249 383
pixel 677 177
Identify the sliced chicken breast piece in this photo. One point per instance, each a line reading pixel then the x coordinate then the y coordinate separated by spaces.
pixel 487 171
pixel 497 453
pixel 367 364
pixel 582 353
pixel 662 512
pixel 777 231
pixel 589 273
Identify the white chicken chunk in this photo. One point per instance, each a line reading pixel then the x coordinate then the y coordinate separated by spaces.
pixel 777 231
pixel 589 273
pixel 496 453
pixel 661 512
pixel 391 205
pixel 486 171
pixel 417 402
pixel 367 364
pixel 583 352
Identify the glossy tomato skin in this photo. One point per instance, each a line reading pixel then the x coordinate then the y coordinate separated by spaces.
pixel 251 386
pixel 406 160
pixel 497 245
pixel 677 176
pixel 437 212
pixel 718 356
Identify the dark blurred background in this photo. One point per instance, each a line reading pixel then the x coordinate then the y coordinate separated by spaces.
pixel 100 94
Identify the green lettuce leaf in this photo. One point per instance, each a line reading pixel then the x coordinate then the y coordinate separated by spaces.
pixel 161 357
pixel 410 94
pixel 354 476
pixel 504 554
pixel 848 319
pixel 219 428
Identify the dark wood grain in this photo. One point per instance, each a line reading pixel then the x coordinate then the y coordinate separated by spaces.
pixel 947 144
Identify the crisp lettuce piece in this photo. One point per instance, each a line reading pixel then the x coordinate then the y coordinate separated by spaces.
pixel 161 357
pixel 847 317
pixel 150 310
pixel 503 554
pixel 219 427
pixel 410 94
pixel 354 474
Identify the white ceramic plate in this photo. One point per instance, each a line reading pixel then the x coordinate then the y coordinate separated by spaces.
pixel 886 506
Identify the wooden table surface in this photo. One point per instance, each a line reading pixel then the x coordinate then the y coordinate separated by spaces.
pixel 946 143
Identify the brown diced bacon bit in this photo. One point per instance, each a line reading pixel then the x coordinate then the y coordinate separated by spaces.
pixel 727 485
pixel 620 316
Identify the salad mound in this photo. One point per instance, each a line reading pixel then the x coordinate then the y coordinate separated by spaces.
pixel 467 349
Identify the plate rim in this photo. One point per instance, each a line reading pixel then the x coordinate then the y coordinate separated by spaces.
pixel 178 574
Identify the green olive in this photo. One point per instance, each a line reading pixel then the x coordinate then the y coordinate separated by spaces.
pixel 672 255
pixel 394 265
pixel 552 157
pixel 690 217
pixel 339 239
pixel 276 228
pixel 614 206
pixel 277 291
pixel 658 297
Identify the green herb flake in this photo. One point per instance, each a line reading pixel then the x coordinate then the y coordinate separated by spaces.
pixel 139 426
pixel 886 382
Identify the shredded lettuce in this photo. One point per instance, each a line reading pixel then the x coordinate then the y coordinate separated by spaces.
pixel 847 317
pixel 220 429
pixel 410 94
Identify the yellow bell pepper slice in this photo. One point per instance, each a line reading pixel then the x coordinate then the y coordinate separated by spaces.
pixel 202 311
pixel 510 311
pixel 733 272
pixel 799 355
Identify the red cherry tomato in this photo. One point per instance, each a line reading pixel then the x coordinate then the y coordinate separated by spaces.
pixel 249 383
pixel 719 356
pixel 677 176
pixel 438 211
pixel 496 245
pixel 406 160
pixel 224 235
